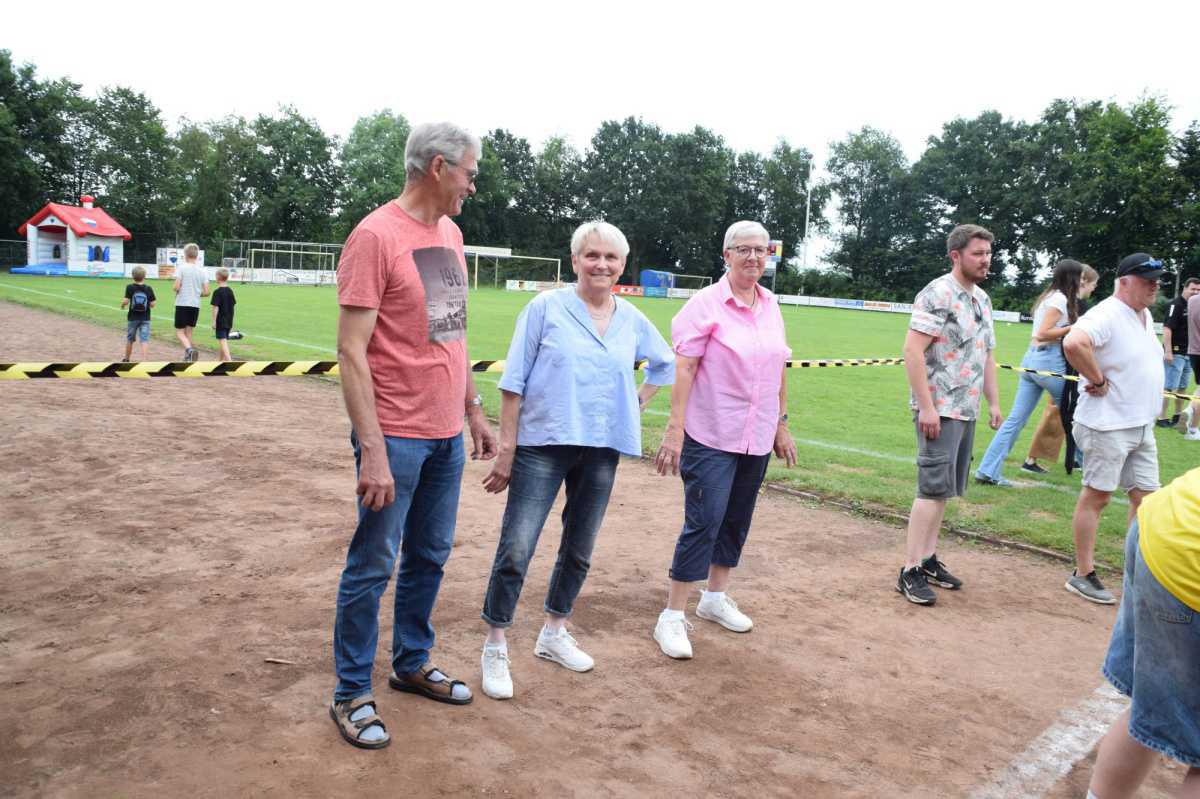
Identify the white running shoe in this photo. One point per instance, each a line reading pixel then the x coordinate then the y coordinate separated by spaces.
pixel 726 614
pixel 497 681
pixel 562 648
pixel 672 637
pixel 1192 435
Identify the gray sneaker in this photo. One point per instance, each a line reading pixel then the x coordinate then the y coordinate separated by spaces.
pixel 1090 588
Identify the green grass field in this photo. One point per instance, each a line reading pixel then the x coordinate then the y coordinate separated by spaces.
pixel 852 425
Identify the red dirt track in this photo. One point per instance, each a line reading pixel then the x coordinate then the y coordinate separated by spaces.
pixel 160 538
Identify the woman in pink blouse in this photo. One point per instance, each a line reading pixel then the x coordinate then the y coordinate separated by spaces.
pixel 728 413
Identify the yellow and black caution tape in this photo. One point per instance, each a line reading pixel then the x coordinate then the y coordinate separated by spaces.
pixel 1075 379
pixel 148 369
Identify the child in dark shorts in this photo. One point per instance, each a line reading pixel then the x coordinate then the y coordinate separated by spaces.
pixel 222 310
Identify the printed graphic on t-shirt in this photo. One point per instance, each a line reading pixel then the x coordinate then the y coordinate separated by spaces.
pixel 445 292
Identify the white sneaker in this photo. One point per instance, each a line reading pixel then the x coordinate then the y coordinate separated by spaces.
pixel 563 650
pixel 726 614
pixel 1192 435
pixel 672 637
pixel 497 681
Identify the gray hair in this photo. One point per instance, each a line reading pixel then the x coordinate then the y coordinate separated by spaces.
pixel 608 234
pixel 432 139
pixel 744 230
pixel 191 251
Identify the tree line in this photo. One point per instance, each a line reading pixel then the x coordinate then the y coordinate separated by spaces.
pixel 1090 180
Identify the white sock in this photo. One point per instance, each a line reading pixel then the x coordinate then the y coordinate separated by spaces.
pixel 549 632
pixel 497 647
pixel 372 733
pixel 671 615
pixel 1193 429
pixel 712 596
pixel 1092 795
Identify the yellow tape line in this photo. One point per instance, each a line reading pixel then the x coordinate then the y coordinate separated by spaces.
pixel 148 369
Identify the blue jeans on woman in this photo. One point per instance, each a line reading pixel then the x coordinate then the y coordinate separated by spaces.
pixel 419 525
pixel 719 492
pixel 1048 358
pixel 537 474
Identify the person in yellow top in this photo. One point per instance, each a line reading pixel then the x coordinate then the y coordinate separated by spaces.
pixel 1154 655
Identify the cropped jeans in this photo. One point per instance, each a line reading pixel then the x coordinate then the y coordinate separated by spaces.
pixel 418 526
pixel 1046 357
pixel 537 474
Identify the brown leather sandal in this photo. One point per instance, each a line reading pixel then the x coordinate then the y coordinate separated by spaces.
pixel 352 731
pixel 420 682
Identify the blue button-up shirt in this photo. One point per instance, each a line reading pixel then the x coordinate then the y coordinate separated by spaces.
pixel 577 387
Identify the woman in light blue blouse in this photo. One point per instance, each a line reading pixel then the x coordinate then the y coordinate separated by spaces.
pixel 569 408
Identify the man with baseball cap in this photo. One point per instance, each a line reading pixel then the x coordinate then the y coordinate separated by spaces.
pixel 1116 352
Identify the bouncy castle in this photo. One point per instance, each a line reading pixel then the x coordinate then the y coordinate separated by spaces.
pixel 74 240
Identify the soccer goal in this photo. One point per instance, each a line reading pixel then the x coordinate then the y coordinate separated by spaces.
pixel 695 282
pixel 306 263
pixel 494 266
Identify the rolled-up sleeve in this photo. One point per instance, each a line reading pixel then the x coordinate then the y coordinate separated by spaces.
pixel 690 329
pixel 930 311
pixel 654 350
pixel 523 349
pixel 1097 328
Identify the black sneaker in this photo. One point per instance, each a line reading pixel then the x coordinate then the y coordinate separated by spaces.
pixel 935 572
pixel 1035 467
pixel 1165 423
pixel 915 587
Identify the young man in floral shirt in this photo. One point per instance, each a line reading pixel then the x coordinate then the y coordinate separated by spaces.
pixel 948 358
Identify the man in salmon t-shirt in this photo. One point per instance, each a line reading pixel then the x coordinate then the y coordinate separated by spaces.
pixel 402 352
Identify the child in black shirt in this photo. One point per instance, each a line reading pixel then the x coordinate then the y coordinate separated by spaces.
pixel 222 310
pixel 139 299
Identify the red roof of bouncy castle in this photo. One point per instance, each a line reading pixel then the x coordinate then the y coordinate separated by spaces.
pixel 82 221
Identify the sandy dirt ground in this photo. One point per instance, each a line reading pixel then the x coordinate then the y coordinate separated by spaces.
pixel 159 539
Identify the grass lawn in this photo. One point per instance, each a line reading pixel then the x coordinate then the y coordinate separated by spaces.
pixel 852 425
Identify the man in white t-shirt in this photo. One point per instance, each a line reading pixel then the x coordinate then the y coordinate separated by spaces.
pixel 191 283
pixel 1119 360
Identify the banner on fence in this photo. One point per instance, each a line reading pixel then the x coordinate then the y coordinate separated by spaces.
pixel 529 285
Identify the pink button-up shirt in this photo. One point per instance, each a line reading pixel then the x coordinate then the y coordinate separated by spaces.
pixel 734 404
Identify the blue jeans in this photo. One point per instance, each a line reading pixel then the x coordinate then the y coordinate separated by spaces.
pixel 419 526
pixel 720 490
pixel 537 474
pixel 1178 373
pixel 1029 392
pixel 1152 658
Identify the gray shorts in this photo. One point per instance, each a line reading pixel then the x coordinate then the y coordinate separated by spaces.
pixel 944 463
pixel 1126 458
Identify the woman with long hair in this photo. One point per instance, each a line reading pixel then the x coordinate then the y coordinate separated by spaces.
pixel 1050 434
pixel 1053 314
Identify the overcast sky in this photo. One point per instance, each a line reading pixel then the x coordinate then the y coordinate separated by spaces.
pixel 751 72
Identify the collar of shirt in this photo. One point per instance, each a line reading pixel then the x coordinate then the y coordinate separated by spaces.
pixel 578 310
pixel 726 295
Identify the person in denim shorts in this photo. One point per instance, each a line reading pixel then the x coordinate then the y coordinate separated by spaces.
pixel 569 408
pixel 1176 363
pixel 1154 655
pixel 139 299
pixel 948 359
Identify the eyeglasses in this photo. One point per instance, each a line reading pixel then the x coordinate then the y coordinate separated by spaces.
pixel 470 173
pixel 977 308
pixel 745 251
